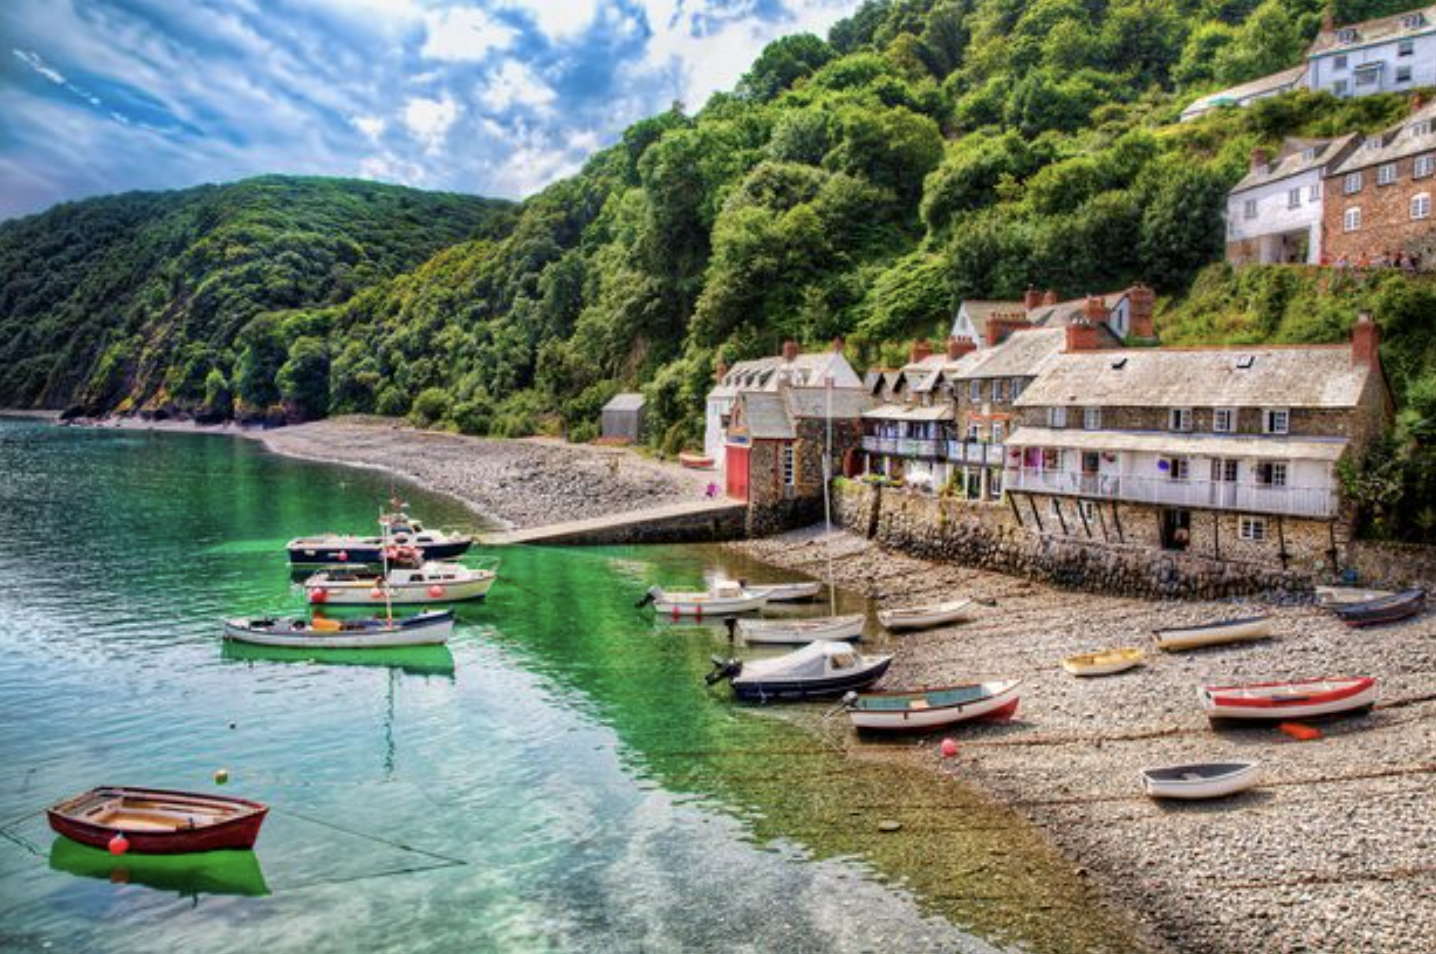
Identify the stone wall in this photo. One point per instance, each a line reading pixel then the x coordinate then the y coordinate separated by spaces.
pixel 1386 223
pixel 1392 565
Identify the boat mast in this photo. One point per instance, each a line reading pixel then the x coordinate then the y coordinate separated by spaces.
pixel 827 484
pixel 384 563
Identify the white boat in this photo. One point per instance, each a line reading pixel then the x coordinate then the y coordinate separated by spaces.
pixel 427 583
pixel 793 631
pixel 818 669
pixel 923 709
pixel 724 598
pixel 1201 780
pixel 1213 634
pixel 432 626
pixel 1103 663
pixel 1303 699
pixel 926 617
pixel 786 592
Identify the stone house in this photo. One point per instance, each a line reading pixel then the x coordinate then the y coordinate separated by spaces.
pixel 1385 55
pixel 905 435
pixel 1275 213
pixel 989 323
pixel 1378 197
pixel 1229 453
pixel 789 367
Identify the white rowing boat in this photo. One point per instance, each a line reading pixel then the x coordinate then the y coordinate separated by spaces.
pixel 1343 595
pixel 923 709
pixel 1303 699
pixel 786 592
pixel 926 617
pixel 322 633
pixel 794 631
pixel 1200 780
pixel 1213 634
pixel 724 598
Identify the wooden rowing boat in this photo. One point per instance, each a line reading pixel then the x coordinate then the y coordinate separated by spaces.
pixel 926 617
pixel 1301 699
pixel 1103 663
pixel 1213 634
pixel 794 631
pixel 1335 596
pixel 1387 609
pixel 932 708
pixel 786 592
pixel 695 461
pixel 426 628
pixel 1200 780
pixel 723 598
pixel 158 821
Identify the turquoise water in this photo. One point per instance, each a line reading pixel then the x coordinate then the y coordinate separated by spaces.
pixel 557 779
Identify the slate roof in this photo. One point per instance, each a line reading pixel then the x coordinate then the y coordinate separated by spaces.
pixel 766 416
pixel 1398 142
pixel 846 403
pixel 1267 85
pixel 1024 354
pixel 1320 376
pixel 767 374
pixel 1293 160
pixel 773 415
pixel 628 401
pixel 1369 32
pixel 1162 442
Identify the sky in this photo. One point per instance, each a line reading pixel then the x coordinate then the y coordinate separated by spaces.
pixel 495 97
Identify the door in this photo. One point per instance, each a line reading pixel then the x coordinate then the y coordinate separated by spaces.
pixel 736 472
pixel 1176 529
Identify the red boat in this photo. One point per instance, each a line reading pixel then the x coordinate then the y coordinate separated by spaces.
pixel 158 822
pixel 695 461
pixel 1306 698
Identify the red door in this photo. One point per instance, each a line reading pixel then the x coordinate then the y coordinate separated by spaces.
pixel 737 472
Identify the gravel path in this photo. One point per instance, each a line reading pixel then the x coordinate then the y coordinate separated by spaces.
pixel 1335 851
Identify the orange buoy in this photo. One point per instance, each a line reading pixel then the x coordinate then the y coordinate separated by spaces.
pixel 119 844
pixel 1300 732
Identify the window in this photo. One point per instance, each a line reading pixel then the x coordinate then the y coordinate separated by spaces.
pixel 1249 209
pixel 1276 421
pixel 1308 154
pixel 790 466
pixel 999 390
pixel 1412 21
pixel 1252 528
pixel 1092 419
pixel 1224 471
pixel 1351 221
pixel 1176 468
pixel 1224 420
pixel 1179 419
pixel 974 431
pixel 1056 417
pixel 994 482
pixel 1339 87
pixel 1340 62
pixel 1271 473
pixel 976 391
pixel 1352 184
pixel 1293 198
pixel 1091 462
pixel 1403 74
pixel 1345 35
pixel 1405 47
pixel 1015 386
pixel 1386 174
pixel 998 432
pixel 1423 167
pixel 1419 129
pixel 1367 77
pixel 1421 205
pixel 1314 193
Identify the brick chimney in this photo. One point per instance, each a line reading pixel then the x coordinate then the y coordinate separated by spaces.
pixel 1260 158
pixel 1083 334
pixel 957 347
pixel 720 370
pixel 1032 299
pixel 1366 343
pixel 1001 326
pixel 1095 311
pixel 1141 303
pixel 921 349
pixel 1050 298
pixel 1328 19
pixel 790 351
pixel 839 345
pixel 1418 101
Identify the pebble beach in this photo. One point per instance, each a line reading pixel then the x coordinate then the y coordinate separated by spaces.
pixel 1335 850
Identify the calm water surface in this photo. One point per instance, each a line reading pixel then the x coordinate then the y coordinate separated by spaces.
pixel 558 779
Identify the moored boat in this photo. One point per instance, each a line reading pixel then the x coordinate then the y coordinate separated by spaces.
pixel 430 582
pixel 921 709
pixel 1200 780
pixel 926 617
pixel 1103 663
pixel 400 530
pixel 794 631
pixel 695 461
pixel 1333 597
pixel 1300 699
pixel 158 821
pixel 1213 634
pixel 723 598
pixel 786 592
pixel 431 626
pixel 819 669
pixel 1387 609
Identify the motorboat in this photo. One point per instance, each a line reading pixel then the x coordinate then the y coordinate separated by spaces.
pixel 785 592
pixel 926 617
pixel 1386 609
pixel 430 626
pixel 795 631
pixel 923 709
pixel 1103 663
pixel 1301 699
pixel 399 530
pixel 1213 634
pixel 725 597
pixel 429 582
pixel 819 669
pixel 152 821
pixel 1199 780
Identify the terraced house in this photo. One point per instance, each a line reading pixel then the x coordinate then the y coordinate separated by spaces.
pixel 1230 453
pixel 1379 195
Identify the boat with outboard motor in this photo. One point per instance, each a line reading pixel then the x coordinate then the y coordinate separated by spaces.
pixel 823 668
pixel 428 627
pixel 1386 609
pixel 724 597
pixel 426 582
pixel 398 530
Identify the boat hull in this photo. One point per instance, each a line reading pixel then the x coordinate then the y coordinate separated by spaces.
pixel 769 689
pixel 782 633
pixel 305 554
pixel 900 620
pixel 1241 777
pixel 710 607
pixel 1390 609
pixel 238 833
pixel 787 592
pixel 1293 700
pixel 999 706
pixel 426 633
pixel 1214 634
pixel 400 594
pixel 1102 664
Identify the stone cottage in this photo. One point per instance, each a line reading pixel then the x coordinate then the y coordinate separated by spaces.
pixel 989 323
pixel 1379 195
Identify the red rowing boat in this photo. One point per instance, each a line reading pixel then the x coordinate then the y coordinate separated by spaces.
pixel 695 461
pixel 158 822
pixel 1304 698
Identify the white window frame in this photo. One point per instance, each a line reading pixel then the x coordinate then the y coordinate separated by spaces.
pixel 1276 473
pixel 1225 470
pixel 1386 174
pixel 1179 469
pixel 1423 167
pixel 1351 219
pixel 1353 183
pixel 1179 419
pixel 1276 420
pixel 974 431
pixel 998 432
pixel 1091 419
pixel 1224 420
pixel 1421 206
pixel 1403 74
pixel 1057 416
pixel 1088 509
pixel 1313 194
pixel 999 389
pixel 1293 198
pixel 1249 209
pixel 1422 127
pixel 790 465
pixel 1406 47
pixel 974 391
pixel 1252 529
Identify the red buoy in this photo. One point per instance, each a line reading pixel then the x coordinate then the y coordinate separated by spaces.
pixel 119 844
pixel 948 748
pixel 343 556
pixel 376 593
pixel 436 591
pixel 319 595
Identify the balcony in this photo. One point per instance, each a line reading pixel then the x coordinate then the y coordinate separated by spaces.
pixel 917 447
pixel 974 452
pixel 1315 502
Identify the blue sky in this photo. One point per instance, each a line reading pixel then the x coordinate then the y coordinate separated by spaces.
pixel 498 97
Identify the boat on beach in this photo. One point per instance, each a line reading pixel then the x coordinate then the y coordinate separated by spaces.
pixel 399 530
pixel 429 582
pixel 921 709
pixel 819 669
pixel 795 631
pixel 1300 699
pixel 724 597
pixel 1386 609
pixel 431 626
pixel 1336 596
pixel 695 461
pixel 1213 634
pixel 1200 780
pixel 785 592
pixel 928 616
pixel 1103 663
pixel 158 821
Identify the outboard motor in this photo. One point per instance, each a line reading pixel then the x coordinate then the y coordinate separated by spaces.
pixel 723 669
pixel 732 623
pixel 647 598
pixel 849 700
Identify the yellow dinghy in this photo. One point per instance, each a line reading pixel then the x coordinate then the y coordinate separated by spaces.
pixel 1103 663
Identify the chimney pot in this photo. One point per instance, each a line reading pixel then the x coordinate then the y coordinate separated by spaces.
pixel 1366 343
pixel 1050 298
pixel 790 351
pixel 1141 307
pixel 1095 311
pixel 1032 299
pixel 1260 158
pixel 921 349
pixel 959 346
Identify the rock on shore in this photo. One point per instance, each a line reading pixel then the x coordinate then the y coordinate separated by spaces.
pixel 1333 852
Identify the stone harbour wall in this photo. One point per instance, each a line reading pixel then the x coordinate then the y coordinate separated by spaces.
pixel 1393 566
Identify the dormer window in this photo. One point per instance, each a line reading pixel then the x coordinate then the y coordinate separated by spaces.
pixel 1422 128
pixel 1308 154
pixel 1372 144
pixel 1345 35
pixel 1412 21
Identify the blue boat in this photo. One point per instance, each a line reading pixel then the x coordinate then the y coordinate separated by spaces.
pixel 822 668
pixel 401 533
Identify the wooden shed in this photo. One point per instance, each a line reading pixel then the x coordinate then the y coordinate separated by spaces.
pixel 623 417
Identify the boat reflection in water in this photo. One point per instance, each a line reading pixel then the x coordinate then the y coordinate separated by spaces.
pixel 191 875
pixel 427 660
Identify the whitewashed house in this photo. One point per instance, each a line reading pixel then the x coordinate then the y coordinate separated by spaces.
pixel 1389 54
pixel 987 324
pixel 1274 214
pixel 1239 97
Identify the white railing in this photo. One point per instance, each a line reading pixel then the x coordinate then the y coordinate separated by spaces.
pixel 917 447
pixel 880 445
pixel 1208 494
pixel 974 452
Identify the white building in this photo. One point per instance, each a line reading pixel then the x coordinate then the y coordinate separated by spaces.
pixel 1239 97
pixel 1274 214
pixel 770 374
pixel 1390 54
pixel 989 323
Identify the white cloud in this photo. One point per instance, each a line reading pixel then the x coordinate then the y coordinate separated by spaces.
pixel 515 84
pixel 371 126
pixel 459 34
pixel 559 20
pixel 33 61
pixel 429 120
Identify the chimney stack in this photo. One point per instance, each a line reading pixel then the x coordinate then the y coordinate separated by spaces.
pixel 1260 158
pixel 1366 343
pixel 921 349
pixel 1032 299
pixel 1001 326
pixel 957 347
pixel 1095 311
pixel 1050 298
pixel 1418 101
pixel 790 351
pixel 1141 303
pixel 839 345
pixel 1083 334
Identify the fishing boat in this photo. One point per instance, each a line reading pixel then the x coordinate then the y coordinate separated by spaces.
pixel 785 592
pixel 932 708
pixel 723 598
pixel 794 631
pixel 695 461
pixel 1387 609
pixel 1302 699
pixel 189 875
pixel 926 617
pixel 430 626
pixel 818 669
pixel 1199 780
pixel 1103 663
pixel 399 530
pixel 1213 634
pixel 157 821
pixel 429 582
